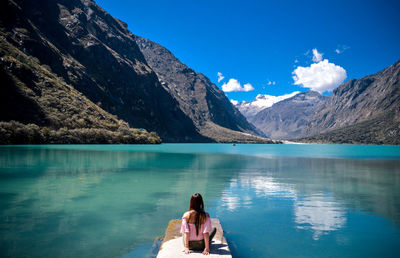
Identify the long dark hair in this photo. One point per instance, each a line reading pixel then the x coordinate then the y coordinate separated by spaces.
pixel 197 204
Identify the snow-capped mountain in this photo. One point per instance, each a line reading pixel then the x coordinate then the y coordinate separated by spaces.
pixel 249 109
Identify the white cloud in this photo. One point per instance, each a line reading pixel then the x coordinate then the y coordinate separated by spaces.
pixel 341 48
pixel 248 87
pixel 317 57
pixel 322 76
pixel 271 82
pixel 296 61
pixel 234 85
pixel 220 76
pixel 234 102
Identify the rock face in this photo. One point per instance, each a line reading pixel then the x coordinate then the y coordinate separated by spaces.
pixel 202 101
pixel 60 55
pixel 365 110
pixel 286 118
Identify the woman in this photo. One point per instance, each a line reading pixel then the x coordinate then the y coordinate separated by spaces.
pixel 196 227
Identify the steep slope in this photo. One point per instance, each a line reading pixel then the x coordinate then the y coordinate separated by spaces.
pixel 261 102
pixel 200 99
pixel 356 104
pixel 82 45
pixel 50 111
pixel 286 118
pixel 383 129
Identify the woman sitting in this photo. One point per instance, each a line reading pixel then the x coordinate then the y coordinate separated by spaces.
pixel 196 227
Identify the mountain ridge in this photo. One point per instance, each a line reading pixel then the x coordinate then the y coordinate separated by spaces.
pixel 358 100
pixel 198 97
pixel 365 110
pixel 369 107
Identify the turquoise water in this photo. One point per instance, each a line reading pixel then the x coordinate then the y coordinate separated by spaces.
pixel 272 200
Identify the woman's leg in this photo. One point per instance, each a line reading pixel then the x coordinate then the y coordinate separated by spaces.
pixel 196 245
pixel 212 234
pixel 199 245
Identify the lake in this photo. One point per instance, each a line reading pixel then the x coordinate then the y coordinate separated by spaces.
pixel 289 200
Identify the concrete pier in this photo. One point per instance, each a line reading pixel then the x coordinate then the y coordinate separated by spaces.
pixel 172 245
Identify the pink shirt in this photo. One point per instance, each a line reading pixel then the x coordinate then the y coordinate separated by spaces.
pixel 191 229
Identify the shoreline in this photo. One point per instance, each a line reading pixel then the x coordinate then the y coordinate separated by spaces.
pixel 291 142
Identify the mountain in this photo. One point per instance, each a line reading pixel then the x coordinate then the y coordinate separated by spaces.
pixel 250 109
pixel 365 110
pixel 69 64
pixel 80 45
pixel 39 103
pixel 383 129
pixel 285 119
pixel 202 101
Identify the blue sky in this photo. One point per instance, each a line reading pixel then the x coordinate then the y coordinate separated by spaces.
pixel 257 42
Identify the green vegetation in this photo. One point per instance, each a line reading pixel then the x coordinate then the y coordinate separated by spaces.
pixel 384 129
pixel 16 133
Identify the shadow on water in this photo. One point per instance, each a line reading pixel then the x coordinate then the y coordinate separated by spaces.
pixel 84 203
pixel 149 250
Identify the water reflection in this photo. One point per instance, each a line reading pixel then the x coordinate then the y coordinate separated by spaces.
pixel 268 186
pixel 317 207
pixel 80 203
pixel 320 213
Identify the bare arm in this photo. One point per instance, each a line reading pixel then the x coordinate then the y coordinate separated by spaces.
pixel 185 232
pixel 187 243
pixel 207 243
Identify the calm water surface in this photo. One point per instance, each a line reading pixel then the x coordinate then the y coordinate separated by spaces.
pixel 272 200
